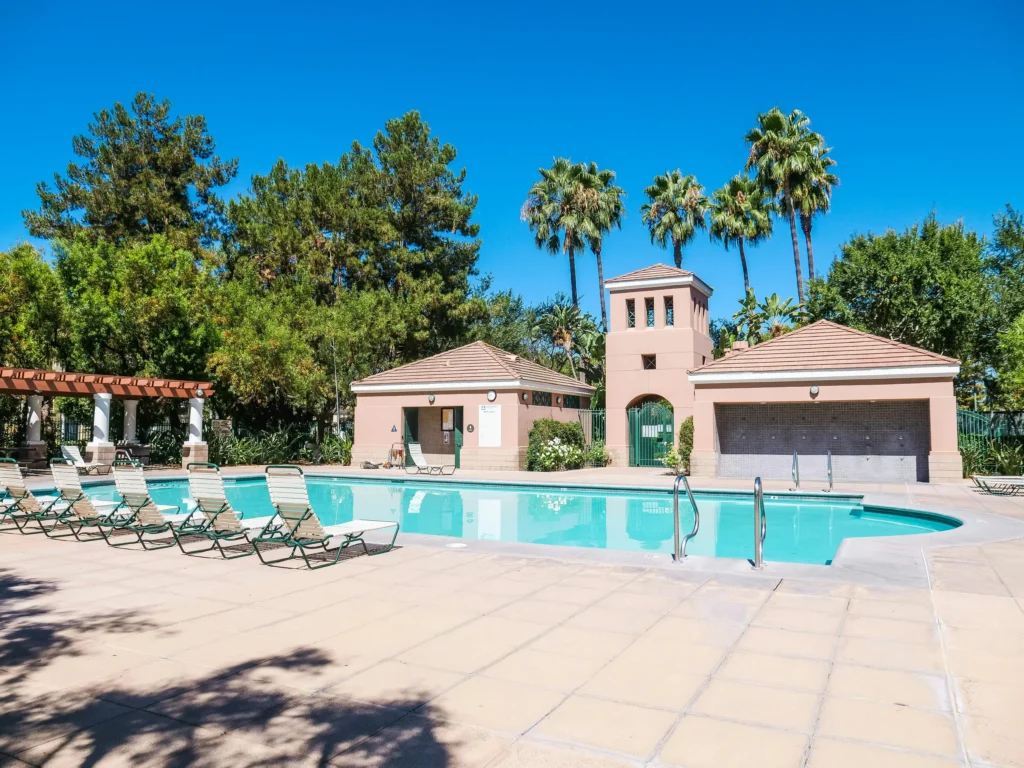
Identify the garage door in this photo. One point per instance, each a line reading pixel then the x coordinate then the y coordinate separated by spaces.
pixel 882 441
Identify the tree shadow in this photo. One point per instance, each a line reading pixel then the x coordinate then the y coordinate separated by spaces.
pixel 250 713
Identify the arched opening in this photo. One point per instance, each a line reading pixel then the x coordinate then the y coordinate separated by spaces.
pixel 651 430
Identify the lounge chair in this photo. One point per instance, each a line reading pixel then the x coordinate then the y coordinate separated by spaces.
pixel 74 457
pixel 296 525
pixel 421 467
pixel 19 505
pixel 214 518
pixel 76 510
pixel 1002 485
pixel 139 514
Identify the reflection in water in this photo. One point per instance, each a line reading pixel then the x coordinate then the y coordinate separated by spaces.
pixel 798 530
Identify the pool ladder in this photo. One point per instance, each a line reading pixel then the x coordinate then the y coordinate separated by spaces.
pixel 828 465
pixel 760 524
pixel 796 472
pixel 681 541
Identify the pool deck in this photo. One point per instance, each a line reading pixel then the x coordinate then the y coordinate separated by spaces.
pixel 520 658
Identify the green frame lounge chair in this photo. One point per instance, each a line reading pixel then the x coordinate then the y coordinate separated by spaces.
pixel 296 525
pixel 76 511
pixel 19 504
pixel 139 514
pixel 214 518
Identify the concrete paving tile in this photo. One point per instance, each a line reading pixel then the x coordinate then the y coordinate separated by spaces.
pixel 892 594
pixel 758 704
pixel 574 595
pixel 645 680
pixel 890 629
pixel 979 611
pixel 591 644
pixel 391 682
pixel 608 620
pixel 911 689
pixel 50 717
pixel 801 602
pixel 786 672
pixel 559 671
pixel 830 753
pixel 470 602
pixel 715 610
pixel 889 724
pixel 622 728
pixel 501 586
pixel 784 642
pixel 523 754
pixel 425 742
pixel 538 611
pixel 700 742
pixel 979 665
pixel 695 631
pixel 885 654
pixel 499 705
pixel 799 620
pixel 632 601
pixel 714 591
pixel 996 643
pixel 992 700
pixel 889 609
pixel 994 742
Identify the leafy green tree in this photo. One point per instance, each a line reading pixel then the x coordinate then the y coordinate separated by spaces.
pixel 1011 379
pixel 509 324
pixel 741 213
pixel 136 310
pixel 723 332
pixel 608 214
pixel 141 173
pixel 812 195
pixel 748 320
pixel 925 286
pixel 777 317
pixel 562 324
pixel 32 309
pixel 562 211
pixel 782 148
pixel 676 210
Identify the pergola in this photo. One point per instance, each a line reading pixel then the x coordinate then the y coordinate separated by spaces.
pixel 36 384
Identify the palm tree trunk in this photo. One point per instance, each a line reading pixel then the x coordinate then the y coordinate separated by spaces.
pixel 743 261
pixel 568 354
pixel 677 253
pixel 572 276
pixel 600 284
pixel 796 243
pixel 805 225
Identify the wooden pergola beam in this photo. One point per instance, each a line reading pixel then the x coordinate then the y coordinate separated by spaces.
pixel 29 381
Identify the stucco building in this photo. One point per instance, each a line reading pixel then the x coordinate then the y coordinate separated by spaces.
pixel 472 407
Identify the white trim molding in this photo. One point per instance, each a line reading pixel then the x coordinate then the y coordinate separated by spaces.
pixel 662 282
pixel 473 386
pixel 767 377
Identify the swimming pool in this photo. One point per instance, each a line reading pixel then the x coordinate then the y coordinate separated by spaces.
pixel 800 529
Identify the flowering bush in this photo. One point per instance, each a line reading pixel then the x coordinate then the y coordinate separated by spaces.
pixel 555 455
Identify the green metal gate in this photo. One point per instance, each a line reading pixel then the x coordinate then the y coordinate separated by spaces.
pixel 651 434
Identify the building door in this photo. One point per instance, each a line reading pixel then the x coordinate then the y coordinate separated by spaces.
pixel 458 436
pixel 410 430
pixel 651 434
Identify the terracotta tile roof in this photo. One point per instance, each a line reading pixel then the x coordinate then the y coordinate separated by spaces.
pixel 474 362
pixel 824 346
pixel 656 272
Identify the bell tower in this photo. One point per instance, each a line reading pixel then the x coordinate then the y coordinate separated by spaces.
pixel 658 331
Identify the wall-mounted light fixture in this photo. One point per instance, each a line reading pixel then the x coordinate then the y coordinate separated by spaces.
pixel 558 399
pixel 199 393
pixel 430 399
pixel 491 395
pixel 526 397
pixel 814 390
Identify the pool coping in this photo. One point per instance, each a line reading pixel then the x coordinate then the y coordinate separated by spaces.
pixel 872 560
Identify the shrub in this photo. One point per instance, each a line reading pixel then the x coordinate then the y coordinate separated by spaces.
pixel 555 445
pixel 596 455
pixel 678 458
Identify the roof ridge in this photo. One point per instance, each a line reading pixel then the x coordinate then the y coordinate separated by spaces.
pixel 497 354
pixel 886 339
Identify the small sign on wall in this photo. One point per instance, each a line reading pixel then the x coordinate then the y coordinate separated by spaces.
pixel 446 434
pixel 489 422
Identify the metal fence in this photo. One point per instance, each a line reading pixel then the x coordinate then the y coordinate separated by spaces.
pixel 980 428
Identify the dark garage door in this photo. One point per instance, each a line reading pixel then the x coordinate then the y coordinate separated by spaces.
pixel 883 441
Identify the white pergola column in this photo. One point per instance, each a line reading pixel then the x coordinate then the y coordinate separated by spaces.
pixel 131 421
pixel 195 449
pixel 100 448
pixel 34 428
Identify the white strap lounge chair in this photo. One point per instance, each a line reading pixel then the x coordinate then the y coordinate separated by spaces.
pixel 214 518
pixel 297 526
pixel 74 456
pixel 1002 485
pixel 77 510
pixel 20 505
pixel 139 514
pixel 422 467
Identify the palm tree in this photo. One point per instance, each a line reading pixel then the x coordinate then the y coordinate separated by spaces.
pixel 741 213
pixel 560 209
pixel 812 194
pixel 748 319
pixel 781 148
pixel 779 317
pixel 560 325
pixel 609 212
pixel 675 212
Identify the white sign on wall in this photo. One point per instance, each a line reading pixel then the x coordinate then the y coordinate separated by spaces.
pixel 490 426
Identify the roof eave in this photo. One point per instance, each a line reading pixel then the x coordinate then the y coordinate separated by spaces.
pixel 574 388
pixel 944 371
pixel 661 282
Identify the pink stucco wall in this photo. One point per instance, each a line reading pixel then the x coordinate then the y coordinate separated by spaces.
pixel 944 456
pixel 376 414
pixel 679 348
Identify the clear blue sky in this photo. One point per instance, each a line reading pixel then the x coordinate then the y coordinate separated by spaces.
pixel 922 103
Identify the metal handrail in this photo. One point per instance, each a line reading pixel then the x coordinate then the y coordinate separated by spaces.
pixel 828 465
pixel 760 524
pixel 796 472
pixel 680 542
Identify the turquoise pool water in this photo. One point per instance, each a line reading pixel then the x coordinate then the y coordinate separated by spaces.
pixel 800 530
